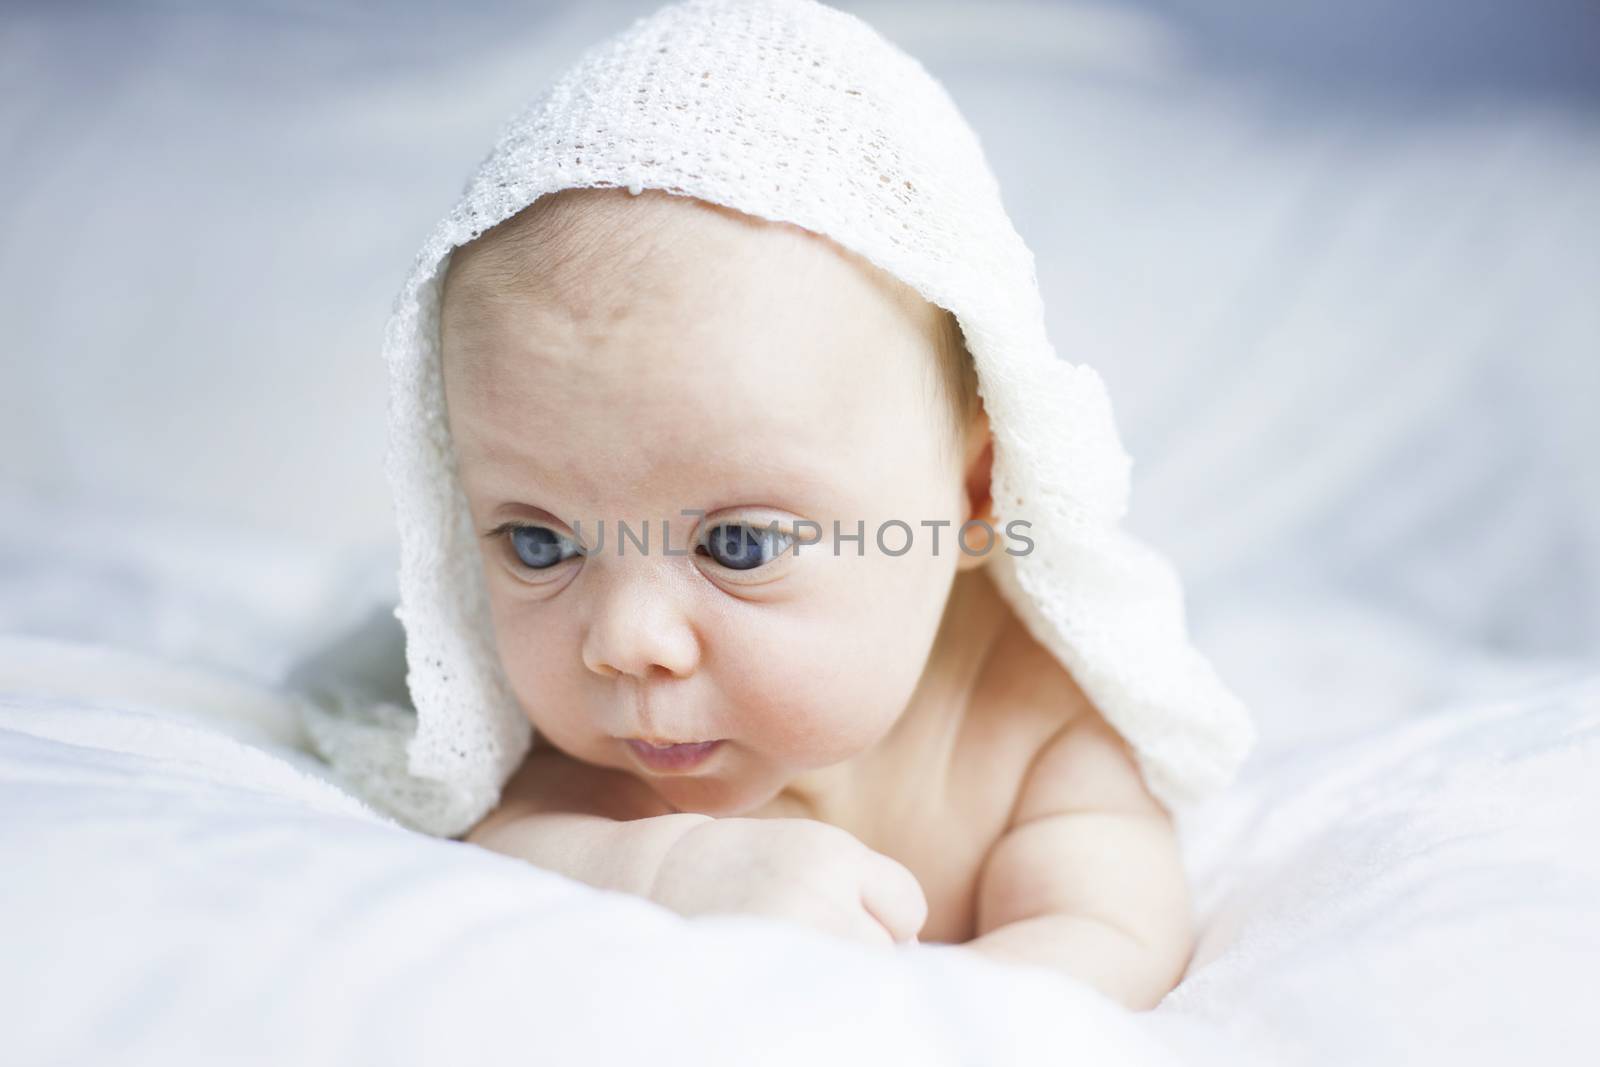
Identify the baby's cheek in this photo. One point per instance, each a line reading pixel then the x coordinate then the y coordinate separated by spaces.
pixel 530 657
pixel 822 698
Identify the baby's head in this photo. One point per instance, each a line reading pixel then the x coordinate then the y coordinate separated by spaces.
pixel 611 358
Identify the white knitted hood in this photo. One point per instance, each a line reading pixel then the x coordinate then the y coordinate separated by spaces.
pixel 791 111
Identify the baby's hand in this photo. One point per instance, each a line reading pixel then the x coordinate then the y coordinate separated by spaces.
pixel 803 870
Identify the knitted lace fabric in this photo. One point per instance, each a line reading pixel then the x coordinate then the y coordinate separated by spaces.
pixel 791 111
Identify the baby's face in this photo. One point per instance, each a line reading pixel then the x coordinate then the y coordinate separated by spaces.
pixel 630 358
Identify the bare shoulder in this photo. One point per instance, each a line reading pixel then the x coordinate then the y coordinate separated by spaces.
pixel 1078 761
pixel 1084 767
pixel 1087 872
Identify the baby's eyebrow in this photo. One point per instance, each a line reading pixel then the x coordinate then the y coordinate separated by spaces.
pixel 803 497
pixel 515 509
pixel 762 475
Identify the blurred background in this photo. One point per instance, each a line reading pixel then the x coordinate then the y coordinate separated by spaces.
pixel 1339 265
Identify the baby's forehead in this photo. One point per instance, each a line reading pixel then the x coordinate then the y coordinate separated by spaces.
pixel 579 248
pixel 618 302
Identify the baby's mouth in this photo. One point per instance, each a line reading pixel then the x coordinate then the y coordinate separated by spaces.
pixel 672 757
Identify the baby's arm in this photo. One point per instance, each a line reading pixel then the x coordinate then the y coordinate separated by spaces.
pixel 1088 878
pixel 608 829
pixel 596 825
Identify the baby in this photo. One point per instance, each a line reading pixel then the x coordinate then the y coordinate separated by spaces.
pixel 671 421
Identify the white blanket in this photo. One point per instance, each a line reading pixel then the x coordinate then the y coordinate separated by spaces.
pixel 182 885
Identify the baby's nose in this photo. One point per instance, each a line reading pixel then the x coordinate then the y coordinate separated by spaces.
pixel 639 629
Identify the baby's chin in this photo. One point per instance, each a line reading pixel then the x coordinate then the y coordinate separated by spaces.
pixel 720 796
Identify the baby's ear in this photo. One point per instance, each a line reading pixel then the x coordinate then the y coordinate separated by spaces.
pixel 979 461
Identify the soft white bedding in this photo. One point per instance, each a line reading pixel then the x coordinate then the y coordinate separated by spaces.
pixel 183 885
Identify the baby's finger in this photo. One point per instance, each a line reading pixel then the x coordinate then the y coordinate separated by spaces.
pixel 892 895
pixel 863 927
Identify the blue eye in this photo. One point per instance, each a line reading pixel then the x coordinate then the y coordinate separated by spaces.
pixel 539 548
pixel 741 547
